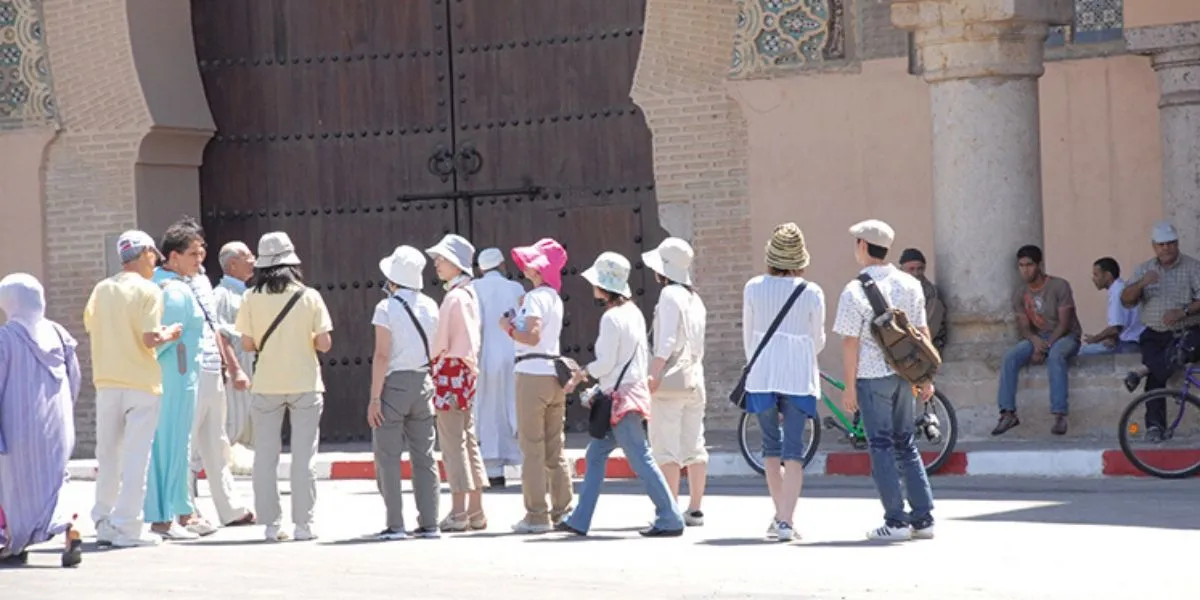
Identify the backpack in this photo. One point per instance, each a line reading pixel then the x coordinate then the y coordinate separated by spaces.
pixel 907 351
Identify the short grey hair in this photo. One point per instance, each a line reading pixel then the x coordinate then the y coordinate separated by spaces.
pixel 231 250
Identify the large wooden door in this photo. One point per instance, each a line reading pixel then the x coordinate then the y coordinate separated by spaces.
pixel 359 125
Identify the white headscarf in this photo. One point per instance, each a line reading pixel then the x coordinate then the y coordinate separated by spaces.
pixel 23 301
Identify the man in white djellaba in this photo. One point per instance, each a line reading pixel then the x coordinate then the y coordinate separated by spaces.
pixel 496 395
pixel 237 265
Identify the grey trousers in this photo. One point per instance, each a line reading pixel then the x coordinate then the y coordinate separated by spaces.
pixel 266 411
pixel 408 423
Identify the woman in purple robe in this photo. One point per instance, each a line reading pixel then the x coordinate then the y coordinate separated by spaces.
pixel 39 382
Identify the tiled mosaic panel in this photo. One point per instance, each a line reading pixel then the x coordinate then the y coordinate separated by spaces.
pixel 782 34
pixel 25 96
pixel 1095 21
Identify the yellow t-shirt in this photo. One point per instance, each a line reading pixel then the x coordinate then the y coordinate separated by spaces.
pixel 121 309
pixel 289 363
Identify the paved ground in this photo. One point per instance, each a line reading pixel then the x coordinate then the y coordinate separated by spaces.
pixel 997 539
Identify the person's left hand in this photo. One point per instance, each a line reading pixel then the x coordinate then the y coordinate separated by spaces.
pixel 654 382
pixel 241 381
pixel 1038 358
pixel 577 378
pixel 1173 316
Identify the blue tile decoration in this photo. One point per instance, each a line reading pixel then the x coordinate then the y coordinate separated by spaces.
pixel 25 93
pixel 1095 21
pixel 775 35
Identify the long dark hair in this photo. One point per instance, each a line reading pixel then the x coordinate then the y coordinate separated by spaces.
pixel 664 281
pixel 611 299
pixel 276 279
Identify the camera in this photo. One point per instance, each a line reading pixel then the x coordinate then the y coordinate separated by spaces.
pixel 929 425
pixel 588 394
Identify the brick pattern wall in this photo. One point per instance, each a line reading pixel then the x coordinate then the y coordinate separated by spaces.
pixel 878 38
pixel 700 156
pixel 90 166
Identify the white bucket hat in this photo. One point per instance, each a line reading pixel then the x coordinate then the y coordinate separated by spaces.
pixel 275 249
pixel 405 267
pixel 610 272
pixel 490 258
pixel 456 249
pixel 671 259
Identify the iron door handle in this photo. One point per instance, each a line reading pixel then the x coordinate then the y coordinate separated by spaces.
pixel 441 163
pixel 468 161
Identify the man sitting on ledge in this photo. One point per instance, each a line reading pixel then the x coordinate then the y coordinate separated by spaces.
pixel 1050 332
pixel 1124 324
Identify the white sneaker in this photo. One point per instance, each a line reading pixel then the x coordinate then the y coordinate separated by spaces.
pixel 693 518
pixel 526 527
pixel 105 533
pixel 176 532
pixel 925 533
pixel 304 533
pixel 124 541
pixel 201 528
pixel 275 534
pixel 890 533
pixel 772 529
pixel 784 532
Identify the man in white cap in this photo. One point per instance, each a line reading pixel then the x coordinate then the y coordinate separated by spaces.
pixel 123 319
pixel 1166 289
pixel 885 400
pixel 496 395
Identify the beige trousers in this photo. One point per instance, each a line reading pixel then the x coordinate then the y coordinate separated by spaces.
pixel 460 450
pixel 541 409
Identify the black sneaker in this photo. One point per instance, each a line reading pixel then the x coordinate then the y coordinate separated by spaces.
pixel 392 534
pixel 497 482
pixel 429 533
pixel 565 528
pixel 1132 380
pixel 1154 434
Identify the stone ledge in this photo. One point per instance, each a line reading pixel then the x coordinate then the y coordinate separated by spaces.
pixel 1097 397
pixel 1160 38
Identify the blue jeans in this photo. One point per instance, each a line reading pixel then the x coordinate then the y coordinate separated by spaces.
pixel 887 406
pixel 629 434
pixel 1101 349
pixel 1056 363
pixel 783 441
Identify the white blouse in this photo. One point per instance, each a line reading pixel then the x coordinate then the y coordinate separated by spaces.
pixel 679 322
pixel 622 335
pixel 788 365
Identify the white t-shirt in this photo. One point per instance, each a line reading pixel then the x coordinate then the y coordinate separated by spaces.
pixel 854 314
pixel 622 340
pixel 542 303
pixel 408 351
pixel 1127 319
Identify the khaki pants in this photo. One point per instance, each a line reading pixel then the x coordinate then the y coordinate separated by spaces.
pixel 541 408
pixel 266 412
pixel 408 423
pixel 460 450
pixel 210 447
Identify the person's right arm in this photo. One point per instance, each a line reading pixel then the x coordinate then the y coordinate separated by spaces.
pixel 851 325
pixel 322 324
pixel 155 332
pixel 1142 277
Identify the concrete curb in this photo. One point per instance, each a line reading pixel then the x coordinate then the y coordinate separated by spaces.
pixel 1063 464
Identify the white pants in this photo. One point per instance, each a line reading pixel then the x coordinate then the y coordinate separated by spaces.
pixel 210 447
pixel 125 423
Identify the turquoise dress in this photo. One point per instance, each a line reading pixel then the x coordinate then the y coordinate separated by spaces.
pixel 167 494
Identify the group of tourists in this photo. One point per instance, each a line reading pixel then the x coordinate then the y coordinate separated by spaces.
pixel 481 374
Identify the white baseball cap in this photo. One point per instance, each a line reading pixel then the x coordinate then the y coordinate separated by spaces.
pixel 133 243
pixel 1164 233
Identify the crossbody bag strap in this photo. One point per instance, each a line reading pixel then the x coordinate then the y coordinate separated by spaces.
pixel 878 304
pixel 416 325
pixel 531 355
pixel 625 369
pixel 787 307
pixel 287 308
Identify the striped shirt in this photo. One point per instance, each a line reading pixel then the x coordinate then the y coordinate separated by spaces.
pixel 210 355
pixel 1177 286
pixel 788 363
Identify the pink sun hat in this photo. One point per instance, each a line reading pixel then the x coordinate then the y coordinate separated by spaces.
pixel 547 257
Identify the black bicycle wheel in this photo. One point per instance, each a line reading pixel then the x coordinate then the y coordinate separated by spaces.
pixel 751 445
pixel 949 430
pixel 1165 461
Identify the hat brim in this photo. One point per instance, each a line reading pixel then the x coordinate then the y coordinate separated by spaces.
pixel 593 277
pixel 654 261
pixel 449 256
pixel 408 280
pixel 290 259
pixel 1164 239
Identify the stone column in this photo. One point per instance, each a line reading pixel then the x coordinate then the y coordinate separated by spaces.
pixel 1175 54
pixel 982 59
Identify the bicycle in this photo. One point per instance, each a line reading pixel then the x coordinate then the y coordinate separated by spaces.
pixel 941 431
pixel 1165 462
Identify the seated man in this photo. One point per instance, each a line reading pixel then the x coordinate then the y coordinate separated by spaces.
pixel 1050 331
pixel 1124 324
pixel 913 263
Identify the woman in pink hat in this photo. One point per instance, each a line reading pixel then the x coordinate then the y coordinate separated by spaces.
pixel 541 401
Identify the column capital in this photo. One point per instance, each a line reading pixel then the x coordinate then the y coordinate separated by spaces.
pixel 1175 54
pixel 965 39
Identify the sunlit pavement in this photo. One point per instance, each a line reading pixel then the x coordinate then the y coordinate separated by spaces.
pixel 996 539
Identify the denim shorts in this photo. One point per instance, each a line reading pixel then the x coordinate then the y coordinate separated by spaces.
pixel 784 441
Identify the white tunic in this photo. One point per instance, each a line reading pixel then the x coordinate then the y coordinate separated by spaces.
pixel 227 301
pixel 788 365
pixel 496 392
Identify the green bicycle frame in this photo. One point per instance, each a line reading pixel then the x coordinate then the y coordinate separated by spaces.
pixel 852 428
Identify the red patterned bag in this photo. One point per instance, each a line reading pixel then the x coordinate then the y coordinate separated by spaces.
pixel 453 384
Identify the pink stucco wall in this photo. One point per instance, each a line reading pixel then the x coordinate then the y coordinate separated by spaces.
pixel 830 150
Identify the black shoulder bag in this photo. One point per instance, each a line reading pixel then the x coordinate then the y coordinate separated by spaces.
pixel 738 395
pixel 287 308
pixel 600 413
